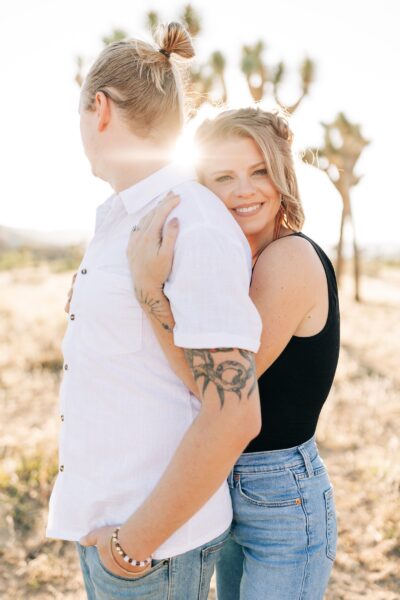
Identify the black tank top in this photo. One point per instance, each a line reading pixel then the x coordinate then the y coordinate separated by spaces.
pixel 294 388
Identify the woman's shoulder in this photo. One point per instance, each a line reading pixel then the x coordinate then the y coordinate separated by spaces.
pixel 291 261
pixel 291 248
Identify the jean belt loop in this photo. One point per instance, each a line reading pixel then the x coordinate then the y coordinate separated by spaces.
pixel 307 461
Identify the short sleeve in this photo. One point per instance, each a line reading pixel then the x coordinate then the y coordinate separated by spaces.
pixel 208 290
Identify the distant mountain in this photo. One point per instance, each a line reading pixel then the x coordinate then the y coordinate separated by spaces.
pixel 14 238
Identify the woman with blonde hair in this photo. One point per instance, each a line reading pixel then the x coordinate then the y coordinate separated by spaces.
pixel 142 487
pixel 283 534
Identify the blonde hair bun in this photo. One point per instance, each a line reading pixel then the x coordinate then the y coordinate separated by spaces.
pixel 143 83
pixel 173 38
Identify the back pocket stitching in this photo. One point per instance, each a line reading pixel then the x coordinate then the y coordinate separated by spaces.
pixel 205 554
pixel 330 523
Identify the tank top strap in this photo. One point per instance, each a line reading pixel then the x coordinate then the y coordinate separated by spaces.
pixel 328 266
pixel 295 233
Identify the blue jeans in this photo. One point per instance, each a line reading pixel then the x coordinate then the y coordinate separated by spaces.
pixel 283 536
pixel 183 577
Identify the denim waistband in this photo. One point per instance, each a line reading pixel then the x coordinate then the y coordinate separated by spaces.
pixel 272 459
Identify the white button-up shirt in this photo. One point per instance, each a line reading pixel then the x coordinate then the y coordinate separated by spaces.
pixel 123 410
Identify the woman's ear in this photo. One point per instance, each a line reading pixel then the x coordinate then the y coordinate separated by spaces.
pixel 103 111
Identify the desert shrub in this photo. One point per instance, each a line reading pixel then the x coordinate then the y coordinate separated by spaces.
pixel 27 490
pixel 58 258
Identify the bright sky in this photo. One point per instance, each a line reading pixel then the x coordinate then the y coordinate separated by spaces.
pixel 46 181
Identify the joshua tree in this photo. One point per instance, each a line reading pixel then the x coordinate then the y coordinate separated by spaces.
pixel 307 74
pixel 257 74
pixel 217 62
pixel 79 61
pixel 152 20
pixel 343 145
pixel 199 87
pixel 116 35
pixel 191 19
pixel 254 69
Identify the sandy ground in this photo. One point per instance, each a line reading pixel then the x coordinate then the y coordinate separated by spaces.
pixel 358 436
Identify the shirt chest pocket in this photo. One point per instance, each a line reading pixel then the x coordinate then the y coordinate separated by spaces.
pixel 113 320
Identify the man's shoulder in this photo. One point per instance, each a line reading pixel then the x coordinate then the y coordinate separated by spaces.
pixel 198 195
pixel 200 207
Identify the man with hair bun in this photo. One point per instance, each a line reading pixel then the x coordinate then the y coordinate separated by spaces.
pixel 143 463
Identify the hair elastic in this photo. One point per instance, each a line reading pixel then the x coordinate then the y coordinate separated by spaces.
pixel 165 52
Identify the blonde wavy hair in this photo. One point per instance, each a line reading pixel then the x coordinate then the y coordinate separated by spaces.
pixel 271 132
pixel 145 81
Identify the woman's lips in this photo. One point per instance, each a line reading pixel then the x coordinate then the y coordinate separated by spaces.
pixel 247 211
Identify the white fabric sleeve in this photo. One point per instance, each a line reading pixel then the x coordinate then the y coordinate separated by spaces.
pixel 208 290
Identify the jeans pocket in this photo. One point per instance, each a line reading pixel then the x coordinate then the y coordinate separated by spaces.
pixel 331 525
pixel 268 490
pixel 157 566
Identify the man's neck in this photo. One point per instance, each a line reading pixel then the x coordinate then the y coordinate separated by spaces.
pixel 124 176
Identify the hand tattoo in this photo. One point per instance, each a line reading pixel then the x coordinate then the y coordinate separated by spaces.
pixel 227 376
pixel 153 307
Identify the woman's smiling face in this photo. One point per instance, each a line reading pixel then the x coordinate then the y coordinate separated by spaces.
pixel 235 171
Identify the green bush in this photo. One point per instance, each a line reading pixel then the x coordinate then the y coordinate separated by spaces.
pixel 59 259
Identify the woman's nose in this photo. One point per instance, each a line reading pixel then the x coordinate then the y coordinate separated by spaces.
pixel 245 189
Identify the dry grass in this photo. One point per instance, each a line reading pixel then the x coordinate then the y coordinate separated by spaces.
pixel 358 436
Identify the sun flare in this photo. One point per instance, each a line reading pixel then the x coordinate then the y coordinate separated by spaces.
pixel 185 152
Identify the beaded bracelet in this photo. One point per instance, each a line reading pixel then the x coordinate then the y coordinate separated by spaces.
pixel 128 559
pixel 131 573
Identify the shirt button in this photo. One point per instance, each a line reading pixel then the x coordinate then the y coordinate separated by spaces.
pixel 61 467
pixel 84 271
pixel 62 417
pixel 72 317
pixel 66 367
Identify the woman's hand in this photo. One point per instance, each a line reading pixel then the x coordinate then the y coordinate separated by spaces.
pixel 101 538
pixel 151 249
pixel 70 292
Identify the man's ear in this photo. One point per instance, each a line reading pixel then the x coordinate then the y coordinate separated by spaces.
pixel 103 110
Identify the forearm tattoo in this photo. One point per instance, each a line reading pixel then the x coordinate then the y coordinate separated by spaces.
pixel 227 376
pixel 154 308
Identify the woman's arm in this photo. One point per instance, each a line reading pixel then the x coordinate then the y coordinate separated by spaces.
pixel 289 290
pixel 157 307
pixel 288 281
pixel 70 292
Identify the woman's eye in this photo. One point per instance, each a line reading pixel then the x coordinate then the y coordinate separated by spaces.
pixel 260 172
pixel 223 178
